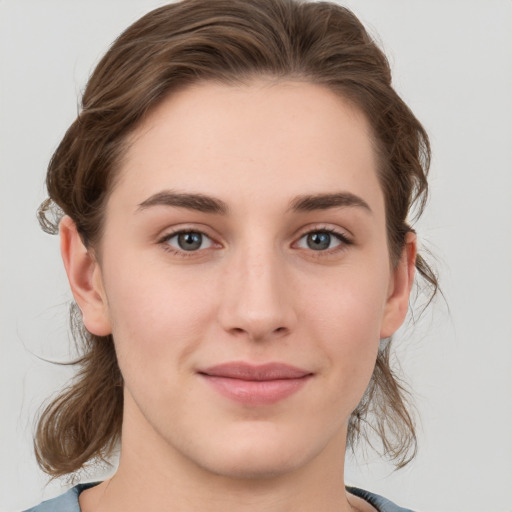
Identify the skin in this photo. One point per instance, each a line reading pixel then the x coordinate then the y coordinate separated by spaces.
pixel 254 291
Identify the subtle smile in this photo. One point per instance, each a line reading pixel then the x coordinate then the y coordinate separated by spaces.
pixel 255 384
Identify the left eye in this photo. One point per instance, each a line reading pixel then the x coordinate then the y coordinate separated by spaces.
pixel 189 241
pixel 320 240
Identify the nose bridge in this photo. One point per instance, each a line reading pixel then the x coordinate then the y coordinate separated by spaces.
pixel 258 299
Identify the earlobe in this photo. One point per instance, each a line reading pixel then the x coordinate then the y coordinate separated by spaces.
pixel 401 282
pixel 85 279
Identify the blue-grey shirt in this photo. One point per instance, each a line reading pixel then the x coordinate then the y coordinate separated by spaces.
pixel 68 502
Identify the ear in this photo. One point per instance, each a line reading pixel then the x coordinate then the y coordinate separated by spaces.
pixel 400 285
pixel 85 279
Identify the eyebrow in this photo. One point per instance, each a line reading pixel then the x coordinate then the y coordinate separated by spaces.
pixel 207 204
pixel 314 202
pixel 198 202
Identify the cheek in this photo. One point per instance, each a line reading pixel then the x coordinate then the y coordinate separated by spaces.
pixel 350 304
pixel 158 317
pixel 347 316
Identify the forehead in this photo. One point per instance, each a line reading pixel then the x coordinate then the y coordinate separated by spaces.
pixel 245 142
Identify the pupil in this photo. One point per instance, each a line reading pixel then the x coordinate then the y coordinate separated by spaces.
pixel 319 241
pixel 190 241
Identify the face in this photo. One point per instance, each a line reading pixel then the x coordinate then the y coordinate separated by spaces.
pixel 245 277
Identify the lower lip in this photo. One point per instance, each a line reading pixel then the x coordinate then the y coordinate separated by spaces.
pixel 251 392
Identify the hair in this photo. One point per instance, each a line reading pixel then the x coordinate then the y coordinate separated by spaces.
pixel 229 42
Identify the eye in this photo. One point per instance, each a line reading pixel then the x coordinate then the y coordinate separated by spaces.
pixel 188 241
pixel 322 240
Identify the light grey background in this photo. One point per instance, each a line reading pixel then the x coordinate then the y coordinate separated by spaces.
pixel 452 63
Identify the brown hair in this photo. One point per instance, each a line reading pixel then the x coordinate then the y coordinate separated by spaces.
pixel 228 41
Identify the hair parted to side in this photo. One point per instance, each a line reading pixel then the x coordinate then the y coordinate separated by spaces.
pixel 231 42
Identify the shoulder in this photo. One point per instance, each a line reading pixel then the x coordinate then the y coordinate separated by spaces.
pixel 67 502
pixel 379 502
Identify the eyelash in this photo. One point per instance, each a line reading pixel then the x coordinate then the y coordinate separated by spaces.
pixel 343 240
pixel 164 242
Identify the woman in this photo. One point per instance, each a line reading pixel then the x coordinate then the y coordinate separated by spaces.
pixel 232 203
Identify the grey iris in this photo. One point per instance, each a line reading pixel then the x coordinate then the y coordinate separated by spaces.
pixel 190 241
pixel 319 241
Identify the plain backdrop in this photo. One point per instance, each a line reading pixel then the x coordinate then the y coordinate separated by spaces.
pixel 452 63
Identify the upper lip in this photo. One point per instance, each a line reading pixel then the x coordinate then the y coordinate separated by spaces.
pixel 261 372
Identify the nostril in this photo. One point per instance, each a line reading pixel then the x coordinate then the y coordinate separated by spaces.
pixel 254 334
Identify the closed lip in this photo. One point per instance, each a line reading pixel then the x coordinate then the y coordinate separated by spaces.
pixel 255 372
pixel 255 385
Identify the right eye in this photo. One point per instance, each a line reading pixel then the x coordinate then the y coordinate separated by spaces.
pixel 188 241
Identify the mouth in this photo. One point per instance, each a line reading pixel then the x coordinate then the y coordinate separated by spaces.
pixel 255 384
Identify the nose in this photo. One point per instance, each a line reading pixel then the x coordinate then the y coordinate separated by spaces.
pixel 257 299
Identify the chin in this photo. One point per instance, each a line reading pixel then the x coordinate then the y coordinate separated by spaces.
pixel 259 457
pixel 251 466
